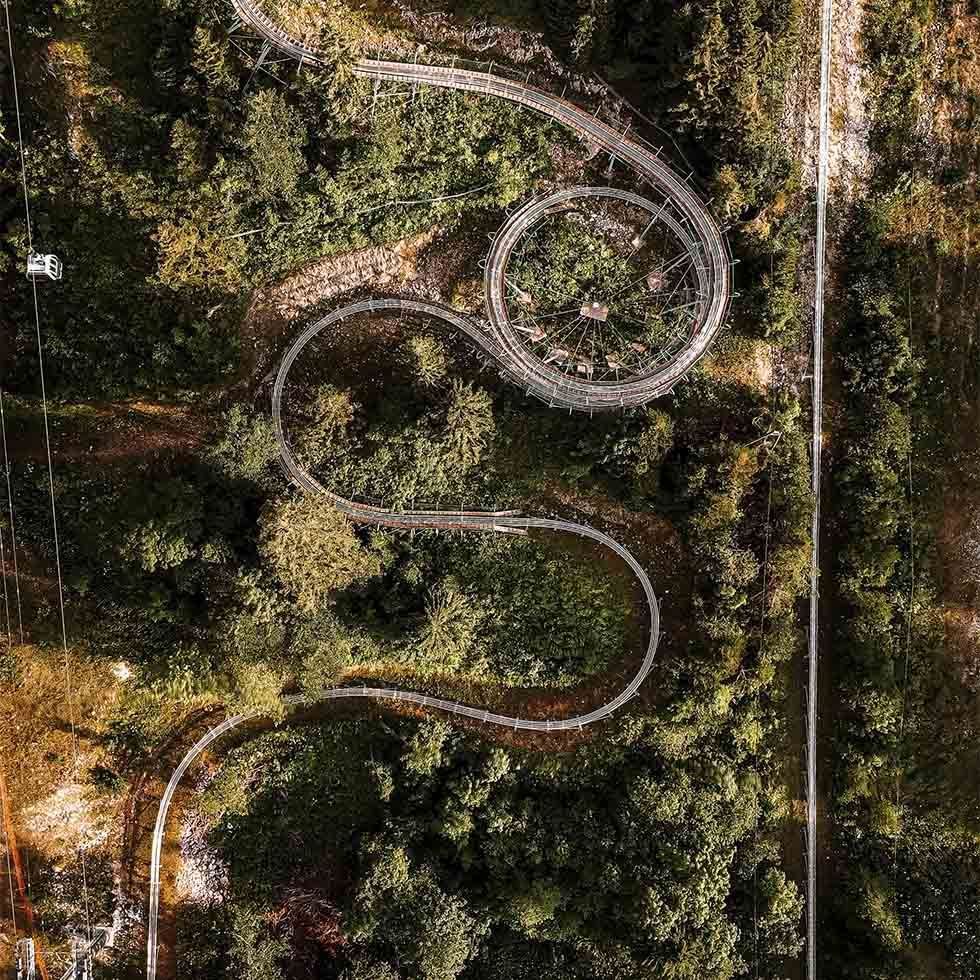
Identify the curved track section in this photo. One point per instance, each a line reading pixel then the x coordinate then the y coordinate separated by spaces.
pixel 683 212
pixel 500 521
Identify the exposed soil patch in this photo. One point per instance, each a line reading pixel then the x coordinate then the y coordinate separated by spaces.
pixel 954 78
pixel 848 158
pixel 747 362
pixel 202 877
pixel 274 309
pixel 107 433
pixel 848 155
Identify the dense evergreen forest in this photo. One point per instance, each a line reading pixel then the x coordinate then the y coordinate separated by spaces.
pixel 179 188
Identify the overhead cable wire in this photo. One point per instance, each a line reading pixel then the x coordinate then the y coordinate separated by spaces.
pixel 47 444
pixel 61 591
pixel 813 632
pixel 13 532
pixel 30 246
pixel 6 599
pixel 20 136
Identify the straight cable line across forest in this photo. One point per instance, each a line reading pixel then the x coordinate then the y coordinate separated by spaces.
pixel 379 207
pixel 61 595
pixel 30 246
pixel 13 531
pixel 6 597
pixel 47 445
pixel 827 13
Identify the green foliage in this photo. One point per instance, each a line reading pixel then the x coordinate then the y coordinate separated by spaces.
pixel 584 27
pixel 469 427
pixel 570 260
pixel 256 687
pixel 324 435
pixel 170 526
pixel 313 550
pixel 877 908
pixel 781 908
pixel 720 491
pixel 254 952
pixel 507 609
pixel 191 255
pixel 202 948
pixel 397 458
pixel 273 138
pixel 452 628
pixel 894 36
pixel 326 649
pixel 404 914
pixel 212 62
pixel 781 306
pixel 709 71
pixel 172 198
pixel 900 740
pixel 331 27
pixel 480 850
pixel 654 442
pixel 447 855
pixel 428 357
pixel 246 447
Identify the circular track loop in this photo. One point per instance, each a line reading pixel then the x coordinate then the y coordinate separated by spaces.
pixel 560 389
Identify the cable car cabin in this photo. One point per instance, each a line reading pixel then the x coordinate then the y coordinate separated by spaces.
pixel 43 266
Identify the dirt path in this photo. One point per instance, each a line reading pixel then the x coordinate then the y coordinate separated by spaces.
pixel 275 309
pixel 107 433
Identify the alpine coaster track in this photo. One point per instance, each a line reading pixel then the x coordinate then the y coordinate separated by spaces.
pixel 689 221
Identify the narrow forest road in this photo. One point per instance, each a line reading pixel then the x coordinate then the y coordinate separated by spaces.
pixel 816 460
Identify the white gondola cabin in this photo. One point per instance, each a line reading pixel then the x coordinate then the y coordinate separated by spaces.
pixel 43 266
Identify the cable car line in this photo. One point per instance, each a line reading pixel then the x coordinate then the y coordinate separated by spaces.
pixel 32 273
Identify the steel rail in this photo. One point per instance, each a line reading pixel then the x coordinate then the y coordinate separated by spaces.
pixel 556 387
pixel 501 521
pixel 705 240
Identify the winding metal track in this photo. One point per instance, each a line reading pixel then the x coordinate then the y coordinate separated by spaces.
pixel 683 212
pixel 687 217
pixel 500 521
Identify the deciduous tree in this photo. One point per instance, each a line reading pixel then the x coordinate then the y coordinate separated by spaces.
pixel 313 549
